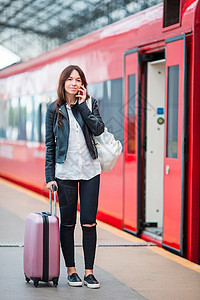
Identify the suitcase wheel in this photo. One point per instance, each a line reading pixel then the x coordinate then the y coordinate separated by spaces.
pixel 36 280
pixel 55 281
pixel 36 283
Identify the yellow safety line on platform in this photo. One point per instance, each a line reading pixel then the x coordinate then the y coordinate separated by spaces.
pixel 180 260
pixel 160 251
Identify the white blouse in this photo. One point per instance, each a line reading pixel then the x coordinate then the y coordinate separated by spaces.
pixel 78 164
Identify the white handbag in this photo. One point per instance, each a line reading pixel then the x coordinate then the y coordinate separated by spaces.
pixel 108 148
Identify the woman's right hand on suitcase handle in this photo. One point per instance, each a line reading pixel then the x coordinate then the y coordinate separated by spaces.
pixel 50 184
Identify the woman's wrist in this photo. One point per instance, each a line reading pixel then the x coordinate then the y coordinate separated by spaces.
pixel 81 101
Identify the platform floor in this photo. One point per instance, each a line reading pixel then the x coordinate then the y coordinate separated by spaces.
pixel 127 267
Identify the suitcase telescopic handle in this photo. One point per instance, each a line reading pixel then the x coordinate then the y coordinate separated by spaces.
pixel 50 199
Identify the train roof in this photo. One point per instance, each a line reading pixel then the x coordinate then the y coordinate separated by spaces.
pixel 139 24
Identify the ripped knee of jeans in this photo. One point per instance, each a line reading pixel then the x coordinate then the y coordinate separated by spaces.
pixel 92 224
pixel 67 226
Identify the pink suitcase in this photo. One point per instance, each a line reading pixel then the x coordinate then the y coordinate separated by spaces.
pixel 42 246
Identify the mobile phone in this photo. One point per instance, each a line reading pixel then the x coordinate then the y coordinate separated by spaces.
pixel 80 93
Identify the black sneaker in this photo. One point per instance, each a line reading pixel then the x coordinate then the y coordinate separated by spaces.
pixel 91 282
pixel 74 280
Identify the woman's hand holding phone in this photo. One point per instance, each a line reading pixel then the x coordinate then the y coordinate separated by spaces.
pixel 81 94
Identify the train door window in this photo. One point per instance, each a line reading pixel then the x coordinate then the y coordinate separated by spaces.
pixel 131 114
pixel 22 119
pixel 171 13
pixel 172 112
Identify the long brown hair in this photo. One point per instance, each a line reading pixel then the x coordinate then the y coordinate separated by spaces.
pixel 61 88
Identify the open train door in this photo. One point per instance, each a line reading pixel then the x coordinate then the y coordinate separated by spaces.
pixel 174 144
pixel 131 145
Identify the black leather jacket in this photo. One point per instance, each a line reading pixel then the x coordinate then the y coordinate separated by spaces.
pixel 57 137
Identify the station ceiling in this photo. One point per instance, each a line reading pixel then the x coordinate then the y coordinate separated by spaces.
pixel 32 27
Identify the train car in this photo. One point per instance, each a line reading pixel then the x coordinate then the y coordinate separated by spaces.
pixel 144 71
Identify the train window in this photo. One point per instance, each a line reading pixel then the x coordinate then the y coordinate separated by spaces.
pixel 171 13
pixel 43 108
pixel 41 102
pixel 40 122
pixel 36 122
pixel 29 118
pixel 96 90
pixel 22 119
pixel 3 118
pixel 131 114
pixel 8 128
pixel 172 112
pixel 28 115
pixel 112 110
pixel 117 109
pixel 13 118
pixel 110 101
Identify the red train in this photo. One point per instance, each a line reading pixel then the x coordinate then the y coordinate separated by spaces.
pixel 144 71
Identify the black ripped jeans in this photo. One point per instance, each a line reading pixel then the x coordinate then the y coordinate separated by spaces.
pixel 68 198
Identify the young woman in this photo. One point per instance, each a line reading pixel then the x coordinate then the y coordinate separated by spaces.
pixel 70 126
